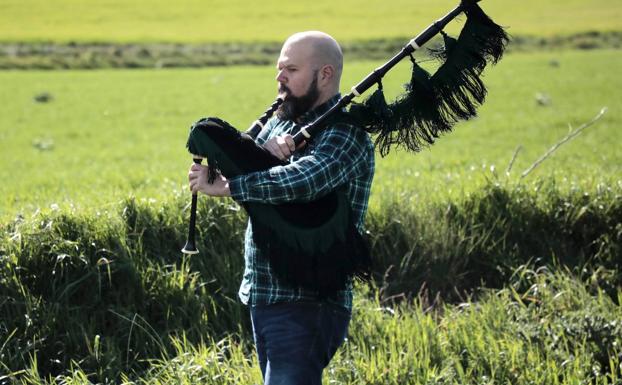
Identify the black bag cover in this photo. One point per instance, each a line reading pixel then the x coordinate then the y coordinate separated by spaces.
pixel 315 244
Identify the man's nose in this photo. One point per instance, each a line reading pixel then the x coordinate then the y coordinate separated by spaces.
pixel 280 77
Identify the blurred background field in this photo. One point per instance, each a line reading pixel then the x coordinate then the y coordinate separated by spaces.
pixel 72 34
pixel 481 276
pixel 195 21
pixel 106 134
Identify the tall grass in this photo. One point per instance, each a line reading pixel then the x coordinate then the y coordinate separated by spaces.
pixel 480 238
pixel 108 294
pixel 108 291
pixel 542 328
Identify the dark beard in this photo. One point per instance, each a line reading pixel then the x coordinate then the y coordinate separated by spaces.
pixel 294 107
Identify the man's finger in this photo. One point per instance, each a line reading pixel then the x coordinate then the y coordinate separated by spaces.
pixel 276 150
pixel 289 140
pixel 287 146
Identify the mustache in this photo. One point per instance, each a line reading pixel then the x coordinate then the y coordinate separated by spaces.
pixel 283 89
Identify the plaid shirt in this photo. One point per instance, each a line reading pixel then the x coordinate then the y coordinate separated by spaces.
pixel 340 154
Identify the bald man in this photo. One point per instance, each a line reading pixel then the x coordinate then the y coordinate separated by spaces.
pixel 297 331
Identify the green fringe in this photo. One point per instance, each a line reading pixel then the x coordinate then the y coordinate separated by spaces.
pixel 373 114
pixel 416 120
pixel 309 241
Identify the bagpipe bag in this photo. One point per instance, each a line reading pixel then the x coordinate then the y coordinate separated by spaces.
pixel 314 244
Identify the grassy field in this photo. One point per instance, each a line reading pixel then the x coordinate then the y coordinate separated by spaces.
pixel 194 21
pixel 480 277
pixel 105 135
pixel 108 299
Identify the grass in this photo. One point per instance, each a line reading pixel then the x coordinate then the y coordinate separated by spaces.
pixel 542 328
pixel 105 135
pixel 512 336
pixel 194 21
pixel 115 289
pixel 480 278
pixel 105 55
pixel 109 293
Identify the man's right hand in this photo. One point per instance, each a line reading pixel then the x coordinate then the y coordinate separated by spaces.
pixel 281 146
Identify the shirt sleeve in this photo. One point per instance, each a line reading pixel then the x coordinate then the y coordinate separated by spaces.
pixel 338 156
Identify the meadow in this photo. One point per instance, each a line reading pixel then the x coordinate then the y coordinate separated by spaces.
pixel 95 291
pixel 513 284
pixel 196 21
pixel 107 134
pixel 481 276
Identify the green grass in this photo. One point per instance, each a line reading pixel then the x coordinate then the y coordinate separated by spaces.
pixel 109 134
pixel 516 336
pixel 111 293
pixel 194 21
pixel 97 287
pixel 93 288
pixel 543 328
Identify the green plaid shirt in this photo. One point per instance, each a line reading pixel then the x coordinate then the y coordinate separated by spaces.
pixel 341 154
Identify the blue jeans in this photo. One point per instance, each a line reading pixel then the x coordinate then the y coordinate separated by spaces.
pixel 296 340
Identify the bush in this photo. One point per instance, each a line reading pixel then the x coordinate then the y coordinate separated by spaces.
pixel 479 241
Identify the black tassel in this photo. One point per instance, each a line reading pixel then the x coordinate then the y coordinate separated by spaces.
pixel 433 104
pixel 441 52
pixel 459 88
pixel 417 117
pixel 483 35
pixel 414 120
pixel 373 114
pixel 458 80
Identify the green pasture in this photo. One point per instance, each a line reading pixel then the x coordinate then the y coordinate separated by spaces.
pixel 480 276
pixel 105 135
pixel 195 21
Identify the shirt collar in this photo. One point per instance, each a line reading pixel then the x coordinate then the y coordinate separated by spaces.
pixel 315 113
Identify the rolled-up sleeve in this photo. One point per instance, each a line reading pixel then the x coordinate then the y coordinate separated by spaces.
pixel 337 157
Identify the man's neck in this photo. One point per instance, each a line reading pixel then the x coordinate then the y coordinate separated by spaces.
pixel 323 99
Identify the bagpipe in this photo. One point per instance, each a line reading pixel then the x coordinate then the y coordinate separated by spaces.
pixel 316 244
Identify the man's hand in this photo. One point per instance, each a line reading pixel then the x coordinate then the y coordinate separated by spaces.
pixel 197 178
pixel 281 146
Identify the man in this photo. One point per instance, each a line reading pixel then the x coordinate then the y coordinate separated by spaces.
pixel 296 331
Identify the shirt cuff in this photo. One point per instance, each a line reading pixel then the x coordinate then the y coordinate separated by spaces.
pixel 237 188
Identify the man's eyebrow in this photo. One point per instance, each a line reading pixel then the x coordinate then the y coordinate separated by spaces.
pixel 286 65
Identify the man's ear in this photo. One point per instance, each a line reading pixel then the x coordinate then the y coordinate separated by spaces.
pixel 327 73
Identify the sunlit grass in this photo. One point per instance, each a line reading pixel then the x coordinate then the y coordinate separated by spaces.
pixel 528 273
pixel 543 328
pixel 193 21
pixel 108 134
pixel 100 295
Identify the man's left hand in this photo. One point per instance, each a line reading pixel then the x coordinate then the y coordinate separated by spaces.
pixel 197 178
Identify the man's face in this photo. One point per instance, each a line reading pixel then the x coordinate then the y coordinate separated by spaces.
pixel 294 107
pixel 297 81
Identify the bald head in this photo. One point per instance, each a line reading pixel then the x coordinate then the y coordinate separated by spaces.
pixel 322 49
